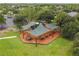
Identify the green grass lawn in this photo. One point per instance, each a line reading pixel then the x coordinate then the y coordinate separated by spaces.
pixel 15 47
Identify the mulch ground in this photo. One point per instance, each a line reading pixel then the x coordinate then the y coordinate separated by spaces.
pixel 47 40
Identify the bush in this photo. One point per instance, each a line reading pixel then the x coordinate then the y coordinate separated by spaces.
pixel 20 21
pixel 2 20
pixel 69 26
pixel 76 45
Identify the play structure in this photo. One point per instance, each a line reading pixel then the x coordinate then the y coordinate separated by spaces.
pixel 39 33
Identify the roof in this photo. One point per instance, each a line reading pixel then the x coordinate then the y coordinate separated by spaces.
pixel 28 25
pixel 72 14
pixel 9 21
pixel 41 29
pixel 52 26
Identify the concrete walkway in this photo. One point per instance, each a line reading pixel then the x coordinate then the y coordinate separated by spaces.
pixel 8 37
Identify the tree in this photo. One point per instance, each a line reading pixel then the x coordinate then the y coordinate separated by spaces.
pixel 76 45
pixel 20 21
pixel 60 17
pixel 46 16
pixel 2 20
pixel 71 7
pixel 69 26
pixel 33 12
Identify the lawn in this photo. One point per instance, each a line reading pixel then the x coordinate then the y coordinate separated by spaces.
pixel 15 47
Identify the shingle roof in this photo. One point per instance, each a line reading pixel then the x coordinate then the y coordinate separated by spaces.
pixel 52 25
pixel 28 25
pixel 41 29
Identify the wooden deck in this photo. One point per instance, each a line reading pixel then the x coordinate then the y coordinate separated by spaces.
pixel 45 40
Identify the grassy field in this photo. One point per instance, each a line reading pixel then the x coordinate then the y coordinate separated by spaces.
pixel 15 47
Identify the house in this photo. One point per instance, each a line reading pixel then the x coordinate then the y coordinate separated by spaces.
pixel 8 22
pixel 72 14
pixel 41 34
